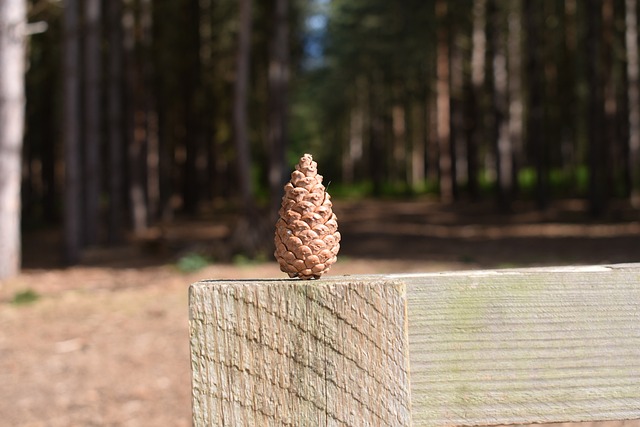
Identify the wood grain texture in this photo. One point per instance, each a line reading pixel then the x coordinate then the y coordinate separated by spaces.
pixel 524 346
pixel 299 353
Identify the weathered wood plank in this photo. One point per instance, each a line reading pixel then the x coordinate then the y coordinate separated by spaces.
pixel 524 346
pixel 485 348
pixel 273 353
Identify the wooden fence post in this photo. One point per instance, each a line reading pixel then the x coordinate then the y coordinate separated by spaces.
pixel 299 353
pixel 484 348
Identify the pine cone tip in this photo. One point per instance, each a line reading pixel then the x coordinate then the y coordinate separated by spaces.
pixel 307 238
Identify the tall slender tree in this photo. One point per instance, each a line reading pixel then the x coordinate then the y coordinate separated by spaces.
pixel 148 111
pixel 535 118
pixel 633 81
pixel 500 120
pixel 12 100
pixel 249 235
pixel 458 137
pixel 136 132
pixel 610 105
pixel 73 224
pixel 596 156
pixel 92 137
pixel 476 95
pixel 115 120
pixel 568 81
pixel 240 106
pixel 192 175
pixel 278 75
pixel 516 104
pixel 443 105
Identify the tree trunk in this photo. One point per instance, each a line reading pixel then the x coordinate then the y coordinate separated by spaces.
pixel 240 109
pixel 431 118
pixel 443 105
pixel 399 141
pixel 633 81
pixel 115 119
pixel 418 135
pixel 458 136
pixel 249 236
pixel 135 125
pixel 12 101
pixel 610 105
pixel 73 218
pixel 353 152
pixel 51 154
pixel 377 157
pixel 535 138
pixel 516 110
pixel 595 109
pixel 92 116
pixel 476 96
pixel 208 59
pixel 191 182
pixel 278 83
pixel 148 106
pixel 500 122
pixel 569 117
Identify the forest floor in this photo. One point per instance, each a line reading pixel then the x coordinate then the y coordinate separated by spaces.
pixel 105 343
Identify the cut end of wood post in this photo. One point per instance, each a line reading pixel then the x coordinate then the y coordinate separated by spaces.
pixel 299 353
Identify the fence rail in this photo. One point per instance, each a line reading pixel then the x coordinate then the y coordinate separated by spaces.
pixel 458 348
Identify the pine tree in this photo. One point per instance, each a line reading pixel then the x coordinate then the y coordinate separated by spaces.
pixel 12 53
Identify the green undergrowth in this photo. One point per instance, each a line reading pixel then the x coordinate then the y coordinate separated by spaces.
pixel 192 262
pixel 243 260
pixel 560 183
pixel 25 297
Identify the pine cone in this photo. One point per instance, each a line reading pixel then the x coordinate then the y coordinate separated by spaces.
pixel 307 237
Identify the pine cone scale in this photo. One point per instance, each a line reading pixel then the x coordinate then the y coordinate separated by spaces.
pixel 307 240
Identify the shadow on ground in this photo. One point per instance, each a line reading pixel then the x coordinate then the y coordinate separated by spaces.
pixel 418 230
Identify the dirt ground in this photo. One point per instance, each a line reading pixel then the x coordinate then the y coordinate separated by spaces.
pixel 106 342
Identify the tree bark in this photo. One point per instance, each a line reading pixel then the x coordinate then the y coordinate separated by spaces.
pixel 535 117
pixel 443 106
pixel 377 158
pixel 567 78
pixel 418 136
pixel 115 119
pixel 476 95
pixel 73 218
pixel 92 112
pixel 12 101
pixel 633 81
pixel 240 109
pixel 278 86
pixel 500 121
pixel 458 136
pixel 399 141
pixel 148 106
pixel 354 149
pixel 250 235
pixel 610 105
pixel 515 109
pixel 596 157
pixel 191 176
pixel 136 131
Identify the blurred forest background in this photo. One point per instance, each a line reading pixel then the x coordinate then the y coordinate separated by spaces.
pixel 139 111
pixel 145 143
